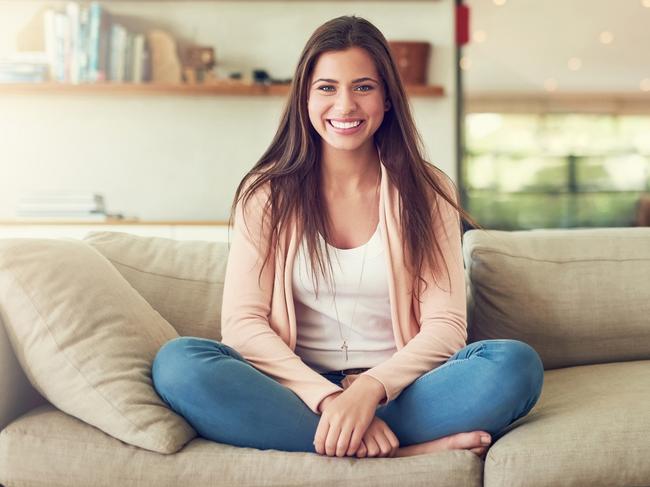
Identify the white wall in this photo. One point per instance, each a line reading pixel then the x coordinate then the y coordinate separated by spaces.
pixel 527 42
pixel 181 158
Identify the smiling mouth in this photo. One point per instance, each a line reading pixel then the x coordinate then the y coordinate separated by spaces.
pixel 345 125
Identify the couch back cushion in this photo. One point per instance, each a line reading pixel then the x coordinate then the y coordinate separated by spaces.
pixel 182 280
pixel 577 296
pixel 86 339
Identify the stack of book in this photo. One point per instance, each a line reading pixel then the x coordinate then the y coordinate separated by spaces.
pixel 27 67
pixel 83 45
pixel 48 205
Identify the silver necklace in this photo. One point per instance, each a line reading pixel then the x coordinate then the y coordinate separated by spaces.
pixel 344 346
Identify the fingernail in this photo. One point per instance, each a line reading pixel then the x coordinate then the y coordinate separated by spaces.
pixel 485 439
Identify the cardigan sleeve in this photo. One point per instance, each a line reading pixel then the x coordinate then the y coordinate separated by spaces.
pixel 246 308
pixel 443 313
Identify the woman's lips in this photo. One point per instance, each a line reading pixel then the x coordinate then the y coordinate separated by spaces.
pixel 349 131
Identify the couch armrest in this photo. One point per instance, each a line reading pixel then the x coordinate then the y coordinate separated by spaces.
pixel 17 396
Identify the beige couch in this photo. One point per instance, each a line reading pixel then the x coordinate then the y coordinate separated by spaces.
pixel 581 298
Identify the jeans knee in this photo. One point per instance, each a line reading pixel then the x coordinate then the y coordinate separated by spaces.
pixel 523 364
pixel 168 364
pixel 173 364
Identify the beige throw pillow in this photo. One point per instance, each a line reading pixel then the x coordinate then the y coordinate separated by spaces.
pixel 86 339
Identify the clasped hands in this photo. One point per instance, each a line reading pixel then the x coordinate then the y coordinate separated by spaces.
pixel 348 425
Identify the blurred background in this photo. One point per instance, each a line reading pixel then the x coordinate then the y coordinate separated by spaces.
pixel 557 105
pixel 143 116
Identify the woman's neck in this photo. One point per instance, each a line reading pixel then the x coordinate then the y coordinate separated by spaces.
pixel 348 173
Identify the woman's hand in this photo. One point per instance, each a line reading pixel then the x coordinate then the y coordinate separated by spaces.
pixel 378 441
pixel 346 416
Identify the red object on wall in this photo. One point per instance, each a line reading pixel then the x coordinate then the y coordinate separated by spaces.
pixel 462 24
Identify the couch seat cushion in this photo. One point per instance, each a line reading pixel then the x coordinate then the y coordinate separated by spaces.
pixel 49 447
pixel 591 427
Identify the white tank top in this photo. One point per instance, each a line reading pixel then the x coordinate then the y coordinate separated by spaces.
pixel 370 337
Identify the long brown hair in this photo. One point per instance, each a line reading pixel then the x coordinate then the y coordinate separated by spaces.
pixel 291 164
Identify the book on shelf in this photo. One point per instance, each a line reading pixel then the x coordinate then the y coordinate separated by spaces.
pixel 64 217
pixel 91 215
pixel 84 45
pixel 24 67
pixel 98 42
pixel 60 203
pixel 62 194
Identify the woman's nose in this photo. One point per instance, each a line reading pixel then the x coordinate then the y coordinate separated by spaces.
pixel 345 102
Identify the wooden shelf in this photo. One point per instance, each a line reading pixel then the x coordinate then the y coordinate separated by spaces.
pixel 226 88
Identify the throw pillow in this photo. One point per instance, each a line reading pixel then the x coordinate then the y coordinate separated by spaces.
pixel 86 339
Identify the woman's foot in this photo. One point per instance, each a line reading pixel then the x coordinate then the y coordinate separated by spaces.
pixel 460 441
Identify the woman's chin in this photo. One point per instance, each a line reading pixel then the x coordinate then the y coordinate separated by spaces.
pixel 349 144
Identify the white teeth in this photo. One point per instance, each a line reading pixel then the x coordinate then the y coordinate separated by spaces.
pixel 342 125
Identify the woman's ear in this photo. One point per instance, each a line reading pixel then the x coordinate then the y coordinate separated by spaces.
pixel 387 105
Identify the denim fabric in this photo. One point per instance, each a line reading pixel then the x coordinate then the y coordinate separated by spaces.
pixel 484 386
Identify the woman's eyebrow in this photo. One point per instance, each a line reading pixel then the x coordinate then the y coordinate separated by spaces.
pixel 358 80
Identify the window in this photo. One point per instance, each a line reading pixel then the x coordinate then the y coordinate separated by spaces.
pixel 555 170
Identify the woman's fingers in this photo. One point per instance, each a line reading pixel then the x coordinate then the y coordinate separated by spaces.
pixel 394 442
pixel 343 444
pixel 385 448
pixel 321 435
pixel 355 441
pixel 332 439
pixel 362 451
pixel 372 446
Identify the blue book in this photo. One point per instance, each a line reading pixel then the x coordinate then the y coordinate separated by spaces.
pixel 98 43
pixel 82 45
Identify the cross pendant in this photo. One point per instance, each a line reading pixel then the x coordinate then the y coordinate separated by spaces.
pixel 345 347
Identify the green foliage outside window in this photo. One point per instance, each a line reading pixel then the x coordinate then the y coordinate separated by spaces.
pixel 543 171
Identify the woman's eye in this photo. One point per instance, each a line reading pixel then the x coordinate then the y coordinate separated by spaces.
pixel 362 88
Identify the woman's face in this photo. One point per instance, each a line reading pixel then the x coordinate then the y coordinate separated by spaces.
pixel 346 98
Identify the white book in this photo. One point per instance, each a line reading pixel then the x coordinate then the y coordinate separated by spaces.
pixel 72 9
pixel 50 42
pixel 93 201
pixel 55 212
pixel 118 52
pixel 63 193
pixel 59 207
pixel 61 35
pixel 62 218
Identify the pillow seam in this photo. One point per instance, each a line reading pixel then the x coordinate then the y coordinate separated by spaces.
pixel 167 276
pixel 567 261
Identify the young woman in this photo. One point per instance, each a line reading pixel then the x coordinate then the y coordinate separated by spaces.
pixel 375 363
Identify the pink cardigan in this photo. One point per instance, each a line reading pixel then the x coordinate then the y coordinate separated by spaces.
pixel 259 321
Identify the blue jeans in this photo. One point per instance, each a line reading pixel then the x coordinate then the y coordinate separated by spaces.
pixel 484 386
